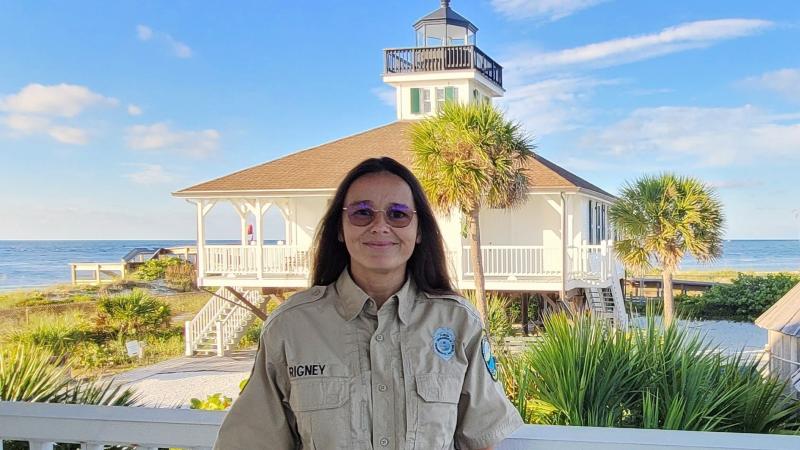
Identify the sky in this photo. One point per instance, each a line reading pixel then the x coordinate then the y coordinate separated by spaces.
pixel 106 108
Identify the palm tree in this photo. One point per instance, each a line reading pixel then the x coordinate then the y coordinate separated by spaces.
pixel 469 156
pixel 662 218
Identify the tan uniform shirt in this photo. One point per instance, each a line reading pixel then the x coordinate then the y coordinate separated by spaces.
pixel 334 372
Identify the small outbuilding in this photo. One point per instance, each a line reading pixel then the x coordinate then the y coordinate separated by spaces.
pixel 782 322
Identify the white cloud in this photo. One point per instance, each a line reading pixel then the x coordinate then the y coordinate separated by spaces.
pixel 68 135
pixel 551 105
pixel 26 124
pixel 694 136
pixel 30 125
pixel 144 33
pixel 736 184
pixel 635 48
pixel 134 110
pixel 388 96
pixel 64 100
pixel 159 136
pixel 785 82
pixel 150 174
pixel 541 9
pixel 180 49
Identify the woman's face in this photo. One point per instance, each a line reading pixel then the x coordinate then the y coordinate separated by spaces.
pixel 379 249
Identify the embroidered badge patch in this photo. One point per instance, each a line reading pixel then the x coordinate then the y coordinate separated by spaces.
pixel 488 358
pixel 444 343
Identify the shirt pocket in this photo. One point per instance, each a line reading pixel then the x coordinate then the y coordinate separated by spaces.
pixel 322 409
pixel 437 410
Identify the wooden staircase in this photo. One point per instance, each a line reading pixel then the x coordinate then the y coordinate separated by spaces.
pixel 608 303
pixel 222 322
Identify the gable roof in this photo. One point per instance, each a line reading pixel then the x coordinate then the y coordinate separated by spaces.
pixel 324 166
pixel 784 315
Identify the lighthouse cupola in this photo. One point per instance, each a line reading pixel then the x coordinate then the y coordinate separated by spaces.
pixel 445 65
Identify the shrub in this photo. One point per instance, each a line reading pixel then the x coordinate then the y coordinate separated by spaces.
pixel 57 334
pixel 499 321
pixel 27 374
pixel 155 269
pixel 180 276
pixel 133 313
pixel 215 402
pixel 585 373
pixel 743 300
pixel 252 335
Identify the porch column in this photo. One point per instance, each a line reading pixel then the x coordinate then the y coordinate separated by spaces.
pixel 563 291
pixel 203 207
pixel 259 239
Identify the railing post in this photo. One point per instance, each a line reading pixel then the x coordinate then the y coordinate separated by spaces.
pixel 220 339
pixel 187 333
pixel 41 445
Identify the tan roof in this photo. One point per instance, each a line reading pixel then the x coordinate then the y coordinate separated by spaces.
pixel 784 315
pixel 324 166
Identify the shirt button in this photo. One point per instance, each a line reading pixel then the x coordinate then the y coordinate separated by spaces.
pixel 384 442
pixel 382 387
pixel 379 338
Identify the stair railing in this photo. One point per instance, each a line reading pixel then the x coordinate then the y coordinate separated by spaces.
pixel 204 321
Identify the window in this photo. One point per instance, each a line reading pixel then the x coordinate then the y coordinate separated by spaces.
pixel 444 95
pixel 426 101
pixel 476 95
pixel 420 101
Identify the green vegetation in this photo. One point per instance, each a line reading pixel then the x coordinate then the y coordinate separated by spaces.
pixel 155 269
pixel 57 334
pixel 661 219
pixel 181 276
pixel 132 314
pixel 214 402
pixel 584 373
pixel 468 157
pixel 745 299
pixel 498 314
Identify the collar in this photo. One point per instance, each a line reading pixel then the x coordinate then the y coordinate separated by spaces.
pixel 351 298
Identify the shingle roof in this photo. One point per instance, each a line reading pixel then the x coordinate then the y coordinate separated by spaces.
pixel 784 315
pixel 324 166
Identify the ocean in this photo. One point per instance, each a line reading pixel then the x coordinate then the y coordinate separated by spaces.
pixel 28 264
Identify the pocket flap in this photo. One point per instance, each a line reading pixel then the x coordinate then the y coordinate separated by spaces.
pixel 319 393
pixel 437 387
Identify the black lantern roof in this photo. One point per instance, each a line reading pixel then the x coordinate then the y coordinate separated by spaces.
pixel 445 15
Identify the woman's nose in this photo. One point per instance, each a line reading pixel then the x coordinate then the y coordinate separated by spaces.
pixel 379 224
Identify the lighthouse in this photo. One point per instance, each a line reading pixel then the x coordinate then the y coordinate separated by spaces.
pixel 444 65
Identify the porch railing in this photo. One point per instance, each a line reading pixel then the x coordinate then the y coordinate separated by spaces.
pixel 44 424
pixel 515 260
pixel 436 59
pixel 243 259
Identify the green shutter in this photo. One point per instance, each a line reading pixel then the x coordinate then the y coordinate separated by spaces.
pixel 415 100
pixel 449 94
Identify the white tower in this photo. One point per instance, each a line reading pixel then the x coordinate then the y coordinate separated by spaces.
pixel 446 65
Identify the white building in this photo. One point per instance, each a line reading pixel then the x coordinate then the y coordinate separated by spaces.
pixel 557 244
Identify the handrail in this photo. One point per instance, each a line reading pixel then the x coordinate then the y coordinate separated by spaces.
pixel 436 59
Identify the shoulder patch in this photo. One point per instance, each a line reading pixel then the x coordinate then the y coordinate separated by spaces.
pixel 488 358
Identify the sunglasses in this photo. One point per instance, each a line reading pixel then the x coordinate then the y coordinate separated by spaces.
pixel 397 215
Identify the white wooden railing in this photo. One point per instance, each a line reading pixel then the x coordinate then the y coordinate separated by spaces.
pixel 243 259
pixel 212 318
pixel 43 424
pixel 584 262
pixel 590 262
pixel 516 260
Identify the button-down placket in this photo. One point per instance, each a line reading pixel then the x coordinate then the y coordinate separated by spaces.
pixel 382 351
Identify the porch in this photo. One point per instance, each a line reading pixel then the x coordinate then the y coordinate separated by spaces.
pixel 505 267
pixel 94 427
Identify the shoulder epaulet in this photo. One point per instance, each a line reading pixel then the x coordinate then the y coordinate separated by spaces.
pixel 463 302
pixel 298 299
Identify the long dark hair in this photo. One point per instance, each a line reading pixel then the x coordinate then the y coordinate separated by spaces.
pixel 427 265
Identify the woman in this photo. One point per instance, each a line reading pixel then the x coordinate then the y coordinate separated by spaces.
pixel 380 353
